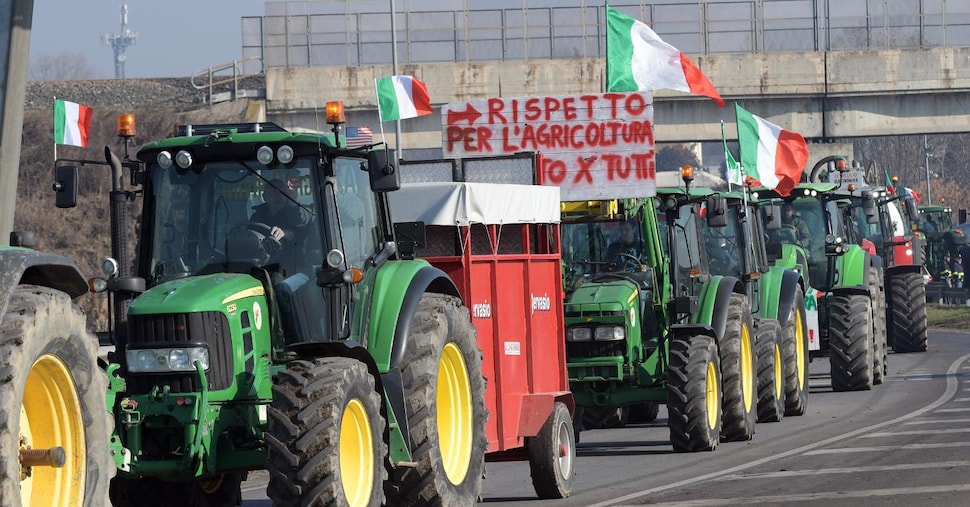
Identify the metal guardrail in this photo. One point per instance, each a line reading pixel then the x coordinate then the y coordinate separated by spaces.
pixel 221 82
pixel 939 293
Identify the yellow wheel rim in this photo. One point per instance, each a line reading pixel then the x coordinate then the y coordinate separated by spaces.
pixel 712 395
pixel 779 374
pixel 51 417
pixel 454 402
pixel 747 368
pixel 800 350
pixel 356 454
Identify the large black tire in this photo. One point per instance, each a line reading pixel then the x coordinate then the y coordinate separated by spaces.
pixel 52 395
pixel 694 393
pixel 738 372
pixel 771 374
pixel 221 491
pixel 907 309
pixel 595 418
pixel 442 351
pixel 794 337
pixel 639 413
pixel 326 435
pixel 877 296
pixel 552 455
pixel 850 342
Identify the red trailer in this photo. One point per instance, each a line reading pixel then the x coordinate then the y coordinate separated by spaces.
pixel 500 243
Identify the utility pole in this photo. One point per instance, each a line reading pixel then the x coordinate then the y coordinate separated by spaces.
pixel 926 154
pixel 119 42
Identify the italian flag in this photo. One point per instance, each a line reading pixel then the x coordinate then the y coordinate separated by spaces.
pixel 72 123
pixel 769 154
pixel 402 97
pixel 637 60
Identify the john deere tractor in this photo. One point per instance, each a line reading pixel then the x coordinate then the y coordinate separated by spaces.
pixel 646 324
pixel 845 290
pixel 309 349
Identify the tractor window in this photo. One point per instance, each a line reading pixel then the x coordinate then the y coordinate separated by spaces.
pixel 357 211
pixel 685 251
pixel 723 246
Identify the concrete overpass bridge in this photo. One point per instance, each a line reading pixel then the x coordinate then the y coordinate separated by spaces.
pixel 822 95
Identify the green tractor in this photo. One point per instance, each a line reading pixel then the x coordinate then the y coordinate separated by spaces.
pixel 845 299
pixel 308 348
pixel 647 325
pixel 935 223
pixel 777 297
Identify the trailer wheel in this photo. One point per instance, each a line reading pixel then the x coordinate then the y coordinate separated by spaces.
pixel 51 397
pixel 639 413
pixel 794 337
pixel 552 454
pixel 850 342
pixel 221 491
pixel 445 397
pixel 771 375
pixel 908 312
pixel 694 393
pixel 880 342
pixel 326 435
pixel 738 375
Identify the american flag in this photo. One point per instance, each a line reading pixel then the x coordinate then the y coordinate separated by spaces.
pixel 358 136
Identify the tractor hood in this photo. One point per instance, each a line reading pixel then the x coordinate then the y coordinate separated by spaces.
pixel 196 294
pixel 599 298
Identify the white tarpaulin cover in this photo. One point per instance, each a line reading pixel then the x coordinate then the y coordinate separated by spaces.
pixel 475 203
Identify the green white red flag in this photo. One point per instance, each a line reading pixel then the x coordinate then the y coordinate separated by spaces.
pixel 773 156
pixel 72 123
pixel 402 97
pixel 638 60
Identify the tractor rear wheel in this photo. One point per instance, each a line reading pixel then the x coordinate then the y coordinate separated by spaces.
pixel 444 393
pixel 907 306
pixel 552 455
pixel 595 418
pixel 639 413
pixel 694 393
pixel 794 337
pixel 326 435
pixel 771 376
pixel 850 342
pixel 738 373
pixel 220 491
pixel 51 398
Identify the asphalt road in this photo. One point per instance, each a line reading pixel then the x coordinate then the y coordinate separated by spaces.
pixel 906 442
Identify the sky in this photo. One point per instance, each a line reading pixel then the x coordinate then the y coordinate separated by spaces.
pixel 176 38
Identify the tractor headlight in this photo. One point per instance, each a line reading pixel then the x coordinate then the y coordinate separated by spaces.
pixel 579 334
pixel 610 333
pixel 167 359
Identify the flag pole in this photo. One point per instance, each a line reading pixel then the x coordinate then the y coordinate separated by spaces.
pixel 54 137
pixel 397 123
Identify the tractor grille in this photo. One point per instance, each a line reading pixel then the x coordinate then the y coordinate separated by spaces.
pixel 179 329
pixel 583 350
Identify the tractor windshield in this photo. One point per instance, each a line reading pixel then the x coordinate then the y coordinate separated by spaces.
pixel 590 248
pixel 230 217
pixel 726 250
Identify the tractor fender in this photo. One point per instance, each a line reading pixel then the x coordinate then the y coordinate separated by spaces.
pixel 790 281
pixel 678 330
pixel 715 300
pixel 904 268
pixel 19 266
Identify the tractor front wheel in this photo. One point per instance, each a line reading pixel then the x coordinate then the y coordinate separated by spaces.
pixel 851 342
pixel 738 375
pixel 694 393
pixel 771 376
pixel 908 312
pixel 794 338
pixel 326 435
pixel 52 410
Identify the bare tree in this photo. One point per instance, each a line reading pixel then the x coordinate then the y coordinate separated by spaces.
pixel 60 67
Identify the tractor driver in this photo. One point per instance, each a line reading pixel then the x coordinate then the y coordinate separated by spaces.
pixel 627 250
pixel 803 235
pixel 282 214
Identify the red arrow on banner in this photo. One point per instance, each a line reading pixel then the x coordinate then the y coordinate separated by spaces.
pixel 470 114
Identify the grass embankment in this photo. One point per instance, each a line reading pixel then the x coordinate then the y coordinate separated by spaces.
pixel 948 316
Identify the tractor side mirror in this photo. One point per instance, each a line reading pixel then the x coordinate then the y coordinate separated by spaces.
pixel 383 174
pixel 716 212
pixel 771 215
pixel 870 208
pixel 65 186
pixel 911 210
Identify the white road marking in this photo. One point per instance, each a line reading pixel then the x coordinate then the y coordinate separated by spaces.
pixel 826 495
pixel 936 431
pixel 938 421
pixel 949 392
pixel 887 448
pixel 962 409
pixel 846 470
